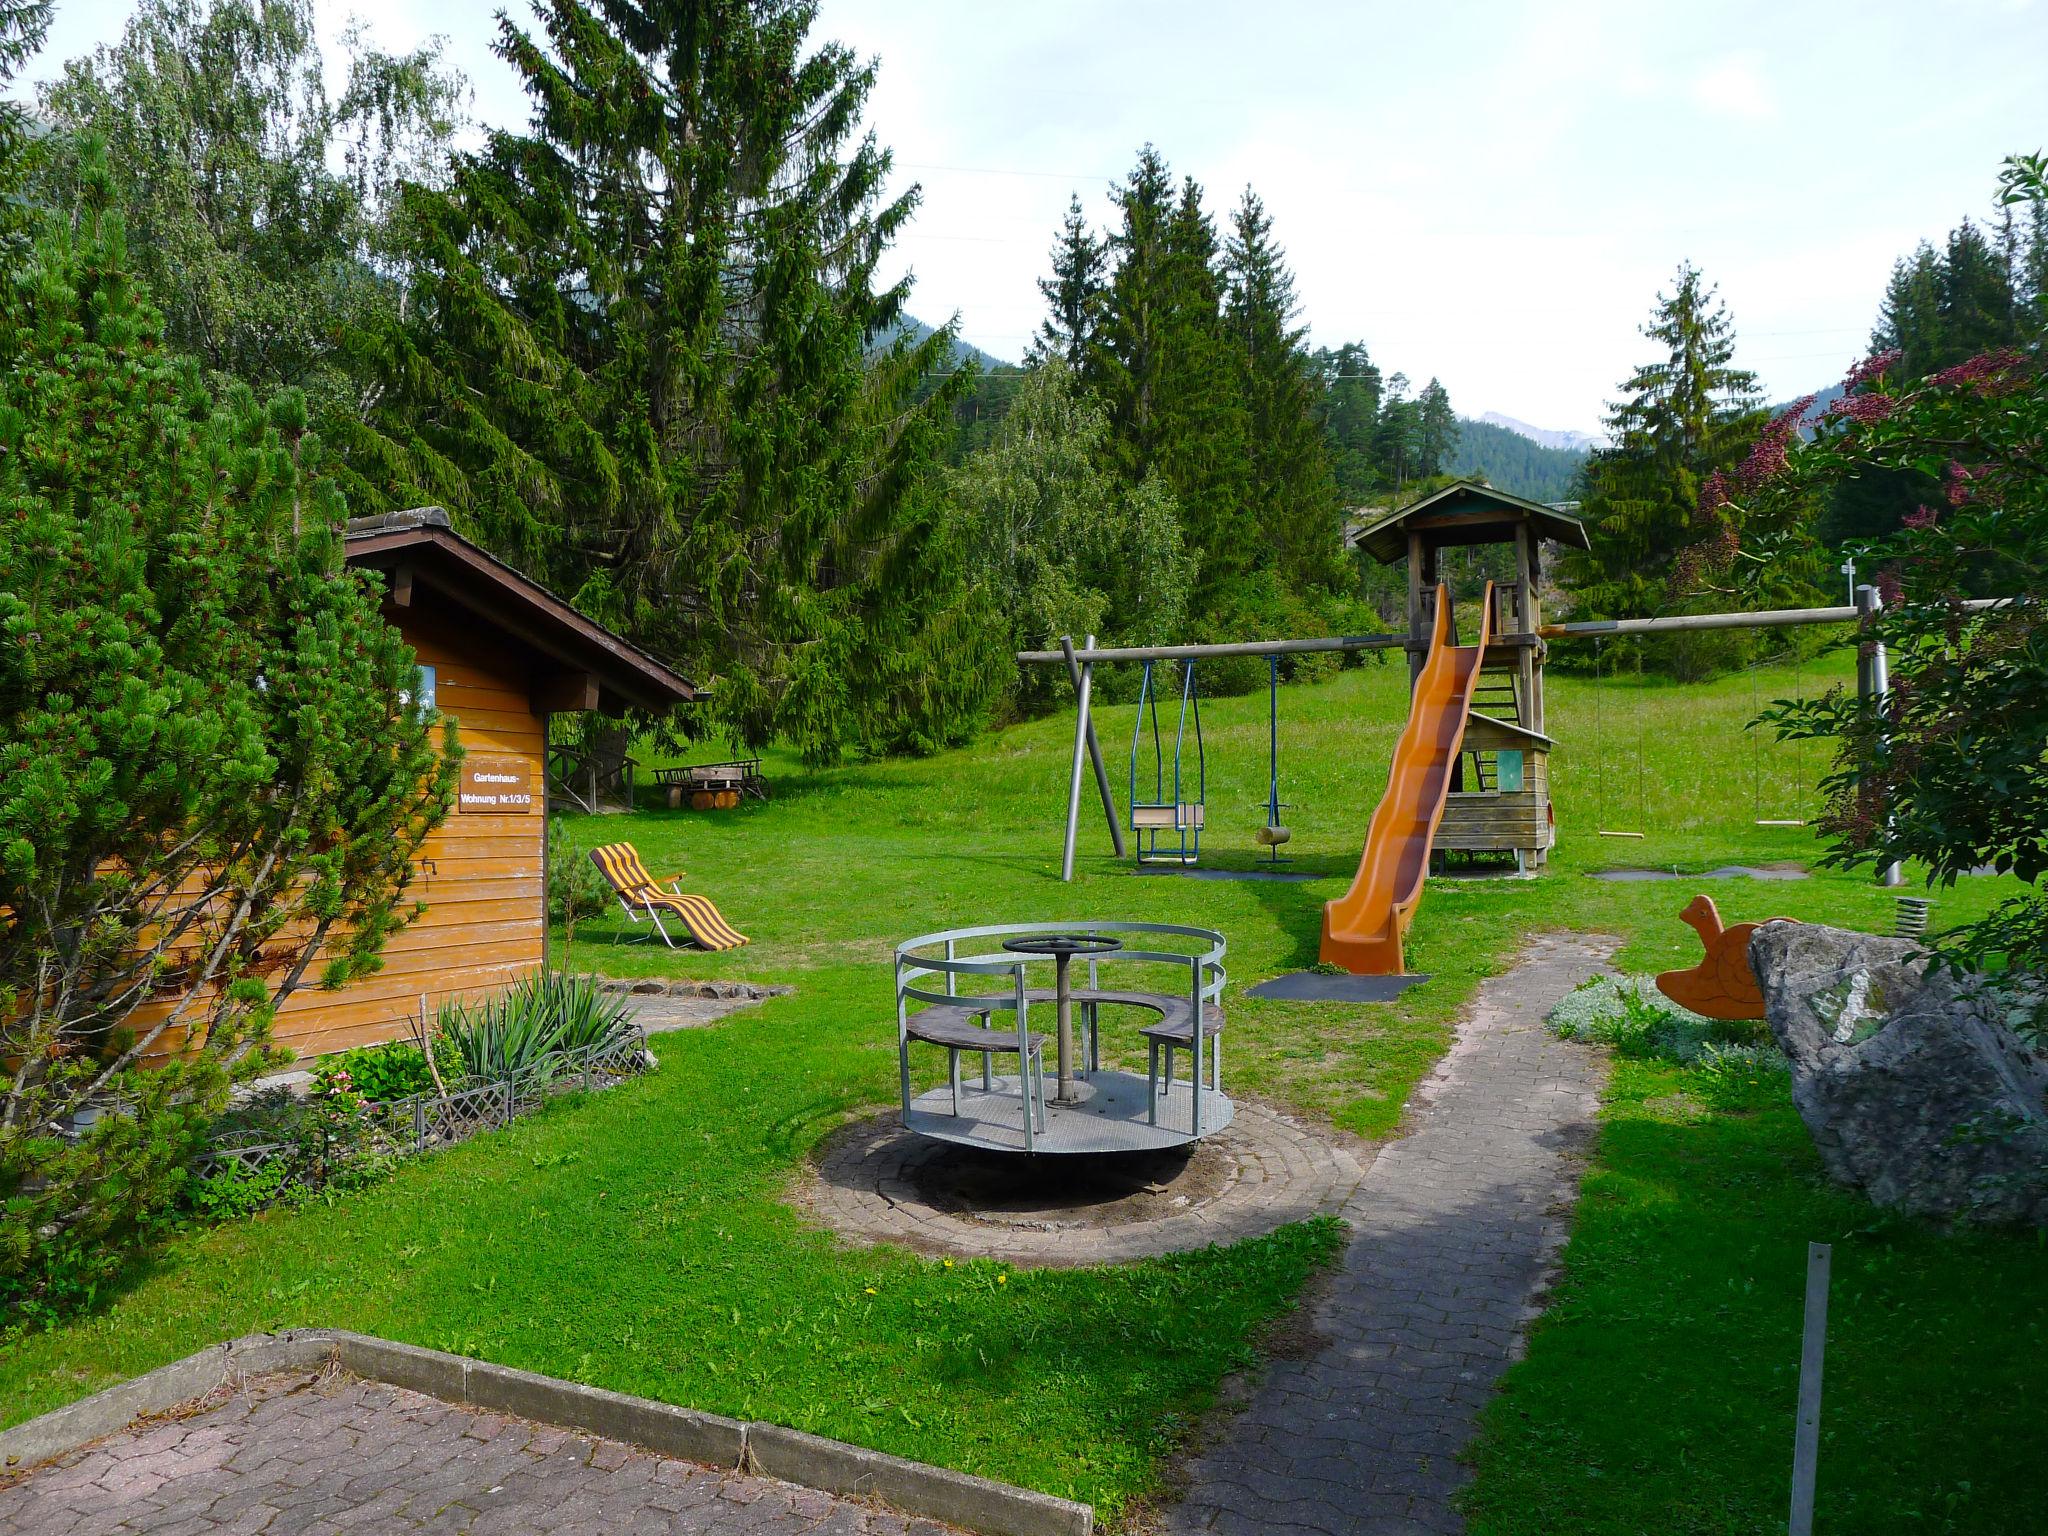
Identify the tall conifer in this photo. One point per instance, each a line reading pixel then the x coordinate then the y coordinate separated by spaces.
pixel 1204 445
pixel 1436 430
pixel 638 365
pixel 1683 416
pixel 1075 291
pixel 1125 366
pixel 1349 409
pixel 1293 491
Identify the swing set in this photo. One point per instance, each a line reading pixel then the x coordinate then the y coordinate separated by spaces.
pixel 1179 815
pixel 1176 816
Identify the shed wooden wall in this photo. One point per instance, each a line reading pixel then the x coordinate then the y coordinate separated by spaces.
pixel 482 875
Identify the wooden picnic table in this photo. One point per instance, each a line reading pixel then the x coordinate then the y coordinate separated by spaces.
pixel 713 786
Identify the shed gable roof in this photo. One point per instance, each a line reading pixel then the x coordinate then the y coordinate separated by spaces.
pixel 423 543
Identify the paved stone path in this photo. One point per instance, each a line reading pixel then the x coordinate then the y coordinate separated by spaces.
pixel 874 1182
pixel 298 1456
pixel 1454 1229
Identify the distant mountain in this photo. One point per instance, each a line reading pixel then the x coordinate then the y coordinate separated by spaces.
pixel 1574 442
pixel 1511 460
pixel 963 351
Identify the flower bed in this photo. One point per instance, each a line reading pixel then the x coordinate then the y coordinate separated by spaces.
pixel 491 1062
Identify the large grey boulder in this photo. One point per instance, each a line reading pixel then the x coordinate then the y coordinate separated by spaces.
pixel 1912 1086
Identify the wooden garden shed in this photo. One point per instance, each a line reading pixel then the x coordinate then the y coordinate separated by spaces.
pixel 499 654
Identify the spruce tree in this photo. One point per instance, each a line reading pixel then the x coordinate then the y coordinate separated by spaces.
pixel 1125 365
pixel 1349 410
pixel 1684 416
pixel 1978 311
pixel 1436 430
pixel 1205 443
pixel 1396 436
pixel 1940 309
pixel 1293 490
pixel 1164 371
pixel 1075 291
pixel 638 364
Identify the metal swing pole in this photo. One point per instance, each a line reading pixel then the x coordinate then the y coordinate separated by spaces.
pixel 1085 747
pixel 1272 741
pixel 1080 673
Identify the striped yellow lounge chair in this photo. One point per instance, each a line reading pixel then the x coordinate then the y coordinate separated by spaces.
pixel 620 865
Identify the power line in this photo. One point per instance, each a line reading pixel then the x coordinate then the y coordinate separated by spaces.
pixel 994 170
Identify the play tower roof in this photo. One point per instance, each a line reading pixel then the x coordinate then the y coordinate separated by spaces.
pixel 1467 512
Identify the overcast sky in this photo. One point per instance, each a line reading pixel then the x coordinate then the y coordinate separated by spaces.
pixel 1491 193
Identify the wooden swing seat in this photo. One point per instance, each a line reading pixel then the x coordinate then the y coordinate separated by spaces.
pixel 1167 817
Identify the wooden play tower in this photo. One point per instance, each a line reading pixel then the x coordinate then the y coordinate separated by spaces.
pixel 1500 797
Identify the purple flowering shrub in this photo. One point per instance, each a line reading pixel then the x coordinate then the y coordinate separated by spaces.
pixel 1953 770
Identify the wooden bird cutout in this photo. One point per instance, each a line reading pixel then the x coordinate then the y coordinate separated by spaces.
pixel 1721 986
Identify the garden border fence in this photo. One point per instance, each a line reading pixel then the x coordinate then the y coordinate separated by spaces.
pixel 423 1122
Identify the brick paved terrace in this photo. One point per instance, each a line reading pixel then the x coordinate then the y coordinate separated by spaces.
pixel 293 1455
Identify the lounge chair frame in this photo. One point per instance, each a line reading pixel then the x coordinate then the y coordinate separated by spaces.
pixel 634 893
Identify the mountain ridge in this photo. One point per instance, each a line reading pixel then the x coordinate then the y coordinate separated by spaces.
pixel 1566 439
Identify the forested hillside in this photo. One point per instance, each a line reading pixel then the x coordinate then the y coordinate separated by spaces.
pixel 1514 463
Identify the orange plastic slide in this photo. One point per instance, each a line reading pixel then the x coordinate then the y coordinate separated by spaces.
pixel 1363 928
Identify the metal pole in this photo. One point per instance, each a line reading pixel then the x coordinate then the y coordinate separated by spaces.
pixel 1273 743
pixel 1812 1351
pixel 1233 648
pixel 1116 826
pixel 1080 754
pixel 1873 686
pixel 1774 618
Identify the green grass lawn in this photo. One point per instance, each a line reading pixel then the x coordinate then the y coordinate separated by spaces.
pixel 641 1239
pixel 1659 1388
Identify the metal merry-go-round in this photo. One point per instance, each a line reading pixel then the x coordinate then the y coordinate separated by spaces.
pixel 954 987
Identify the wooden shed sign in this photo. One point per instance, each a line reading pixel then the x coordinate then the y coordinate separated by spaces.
pixel 498 787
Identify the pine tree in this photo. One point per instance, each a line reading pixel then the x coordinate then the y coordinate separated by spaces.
pixel 213 786
pixel 1293 489
pixel 1075 291
pixel 1396 436
pixel 1684 416
pixel 1436 430
pixel 1125 365
pixel 1349 410
pixel 1163 368
pixel 1204 447
pixel 638 365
